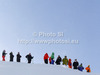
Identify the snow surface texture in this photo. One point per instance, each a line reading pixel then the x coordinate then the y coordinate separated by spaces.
pixel 12 68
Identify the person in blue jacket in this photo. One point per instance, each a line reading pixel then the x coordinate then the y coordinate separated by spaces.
pixel 80 68
pixel 52 61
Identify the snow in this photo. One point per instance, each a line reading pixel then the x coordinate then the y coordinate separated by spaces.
pixel 13 68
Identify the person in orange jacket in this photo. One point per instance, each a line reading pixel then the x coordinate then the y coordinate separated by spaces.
pixel 3 55
pixel 88 68
pixel 46 58
pixel 69 63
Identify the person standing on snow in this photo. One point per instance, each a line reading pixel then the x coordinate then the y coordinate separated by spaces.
pixel 80 68
pixel 52 56
pixel 59 59
pixel 46 58
pixel 11 56
pixel 75 64
pixel 50 60
pixel 18 57
pixel 65 61
pixel 3 55
pixel 69 63
pixel 88 68
pixel 29 57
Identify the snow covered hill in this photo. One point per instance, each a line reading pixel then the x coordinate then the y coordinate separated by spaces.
pixel 9 68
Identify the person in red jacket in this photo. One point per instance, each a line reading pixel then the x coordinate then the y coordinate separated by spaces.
pixel 46 58
pixel 50 60
pixel 69 63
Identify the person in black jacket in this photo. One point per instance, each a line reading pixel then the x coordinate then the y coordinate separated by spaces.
pixel 18 57
pixel 3 55
pixel 59 59
pixel 11 56
pixel 29 57
pixel 75 64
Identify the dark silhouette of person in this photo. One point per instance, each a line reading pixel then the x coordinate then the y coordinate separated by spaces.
pixel 18 57
pixel 29 57
pixel 11 56
pixel 59 59
pixel 3 55
pixel 75 64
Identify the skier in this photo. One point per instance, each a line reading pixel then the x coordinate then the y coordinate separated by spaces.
pixel 65 61
pixel 52 56
pixel 80 68
pixel 46 58
pixel 29 57
pixel 11 56
pixel 52 61
pixel 59 59
pixel 75 64
pixel 18 57
pixel 88 68
pixel 69 63
pixel 3 55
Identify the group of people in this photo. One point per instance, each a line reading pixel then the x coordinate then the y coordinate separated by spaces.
pixel 47 59
pixel 18 57
pixel 65 61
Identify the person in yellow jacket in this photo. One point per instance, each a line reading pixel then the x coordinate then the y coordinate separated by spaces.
pixel 88 68
pixel 65 61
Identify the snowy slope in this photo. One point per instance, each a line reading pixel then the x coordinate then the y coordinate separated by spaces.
pixel 9 68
